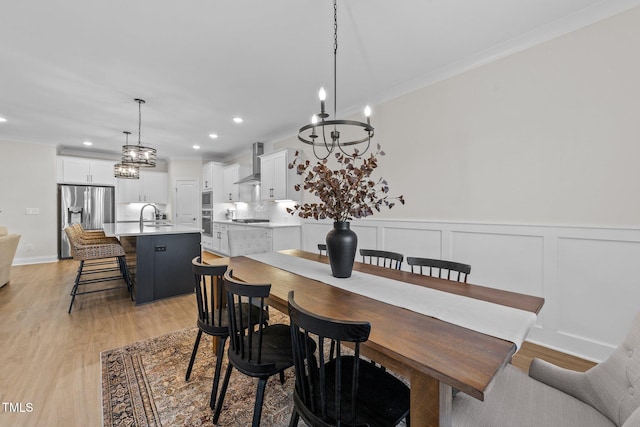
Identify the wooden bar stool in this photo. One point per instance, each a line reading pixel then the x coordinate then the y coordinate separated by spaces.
pixel 98 255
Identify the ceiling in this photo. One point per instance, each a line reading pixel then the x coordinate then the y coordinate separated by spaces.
pixel 70 69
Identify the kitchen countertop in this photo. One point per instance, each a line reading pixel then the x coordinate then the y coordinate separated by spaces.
pixel 259 224
pixel 119 229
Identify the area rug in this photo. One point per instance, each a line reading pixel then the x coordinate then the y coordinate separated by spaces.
pixel 143 385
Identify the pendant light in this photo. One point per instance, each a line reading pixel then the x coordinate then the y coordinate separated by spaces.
pixel 123 171
pixel 138 155
pixel 325 133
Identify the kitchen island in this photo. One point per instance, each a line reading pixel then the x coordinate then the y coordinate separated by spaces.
pixel 159 256
pixel 282 235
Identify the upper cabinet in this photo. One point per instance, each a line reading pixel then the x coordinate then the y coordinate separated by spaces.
pixel 212 180
pixel 230 175
pixel 150 188
pixel 77 170
pixel 233 192
pixel 207 176
pixel 277 180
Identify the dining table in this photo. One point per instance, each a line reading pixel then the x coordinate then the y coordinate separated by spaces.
pixel 434 355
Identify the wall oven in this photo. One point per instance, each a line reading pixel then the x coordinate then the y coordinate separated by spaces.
pixel 207 200
pixel 207 222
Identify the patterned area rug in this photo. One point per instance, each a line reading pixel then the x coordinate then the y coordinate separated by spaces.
pixel 143 385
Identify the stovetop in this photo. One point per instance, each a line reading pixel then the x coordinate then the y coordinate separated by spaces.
pixel 250 220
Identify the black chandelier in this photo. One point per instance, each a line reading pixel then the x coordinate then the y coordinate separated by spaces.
pixel 326 133
pixel 120 170
pixel 138 155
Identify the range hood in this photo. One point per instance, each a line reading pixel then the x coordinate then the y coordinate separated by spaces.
pixel 256 150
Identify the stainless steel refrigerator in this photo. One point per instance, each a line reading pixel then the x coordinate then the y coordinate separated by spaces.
pixel 88 205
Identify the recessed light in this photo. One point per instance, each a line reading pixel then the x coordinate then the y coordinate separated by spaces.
pixel 2 120
pixel 196 147
pixel 88 143
pixel 213 135
pixel 238 119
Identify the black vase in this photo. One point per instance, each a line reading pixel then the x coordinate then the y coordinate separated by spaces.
pixel 341 248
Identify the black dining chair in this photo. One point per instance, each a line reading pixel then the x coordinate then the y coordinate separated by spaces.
pixel 340 389
pixel 449 270
pixel 213 316
pixel 382 258
pixel 259 351
pixel 322 248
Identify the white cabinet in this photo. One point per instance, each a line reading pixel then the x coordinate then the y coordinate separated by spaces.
pixel 78 170
pixel 207 176
pixel 150 188
pixel 230 175
pixel 206 242
pixel 235 192
pixel 212 180
pixel 214 241
pixel 220 242
pixel 277 180
pixel 154 187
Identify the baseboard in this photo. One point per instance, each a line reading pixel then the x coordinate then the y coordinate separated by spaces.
pixel 34 260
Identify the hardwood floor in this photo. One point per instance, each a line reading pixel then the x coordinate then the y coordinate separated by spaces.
pixel 51 360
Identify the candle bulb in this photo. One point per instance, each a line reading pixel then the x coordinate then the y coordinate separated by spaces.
pixel 322 95
pixel 367 113
pixel 314 121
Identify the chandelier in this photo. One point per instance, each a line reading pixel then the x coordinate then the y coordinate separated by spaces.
pixel 322 132
pixel 120 170
pixel 138 155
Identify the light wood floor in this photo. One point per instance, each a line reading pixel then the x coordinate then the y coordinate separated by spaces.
pixel 51 359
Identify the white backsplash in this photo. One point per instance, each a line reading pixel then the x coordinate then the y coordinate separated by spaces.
pixel 131 211
pixel 275 212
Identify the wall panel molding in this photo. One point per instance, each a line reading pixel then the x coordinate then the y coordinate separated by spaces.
pixel 586 274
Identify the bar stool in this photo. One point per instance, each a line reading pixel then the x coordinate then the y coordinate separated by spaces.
pixel 98 255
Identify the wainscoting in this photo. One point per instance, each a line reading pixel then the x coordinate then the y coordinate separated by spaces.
pixel 586 275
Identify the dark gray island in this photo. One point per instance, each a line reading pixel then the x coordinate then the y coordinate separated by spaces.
pixel 159 257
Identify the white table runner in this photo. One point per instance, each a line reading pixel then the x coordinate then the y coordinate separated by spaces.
pixel 497 320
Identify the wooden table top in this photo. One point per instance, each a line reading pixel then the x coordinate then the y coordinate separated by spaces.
pixel 401 339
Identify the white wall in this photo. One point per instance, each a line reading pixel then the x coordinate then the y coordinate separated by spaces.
pixel 550 135
pixel 526 168
pixel 28 180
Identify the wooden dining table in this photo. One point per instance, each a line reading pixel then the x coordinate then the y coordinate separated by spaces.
pixel 432 354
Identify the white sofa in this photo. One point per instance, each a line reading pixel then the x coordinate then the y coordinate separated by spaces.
pixel 8 247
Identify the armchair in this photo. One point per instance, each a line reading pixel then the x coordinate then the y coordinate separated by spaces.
pixel 606 395
pixel 8 247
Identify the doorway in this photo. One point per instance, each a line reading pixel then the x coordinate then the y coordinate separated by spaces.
pixel 187 202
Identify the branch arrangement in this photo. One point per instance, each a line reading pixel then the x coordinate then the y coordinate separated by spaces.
pixel 345 193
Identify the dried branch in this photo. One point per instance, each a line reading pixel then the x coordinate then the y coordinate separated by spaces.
pixel 345 193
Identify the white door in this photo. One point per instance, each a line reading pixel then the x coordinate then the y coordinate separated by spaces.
pixel 187 203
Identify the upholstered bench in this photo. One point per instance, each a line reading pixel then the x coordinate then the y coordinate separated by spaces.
pixel 606 395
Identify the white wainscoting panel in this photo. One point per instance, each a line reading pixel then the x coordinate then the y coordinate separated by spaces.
pixel 316 232
pixel 598 288
pixel 313 233
pixel 587 275
pixel 502 261
pixel 423 243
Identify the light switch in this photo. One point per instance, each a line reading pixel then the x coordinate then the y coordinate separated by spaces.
pixel 33 211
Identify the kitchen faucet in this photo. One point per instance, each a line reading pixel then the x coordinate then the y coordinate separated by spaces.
pixel 155 213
